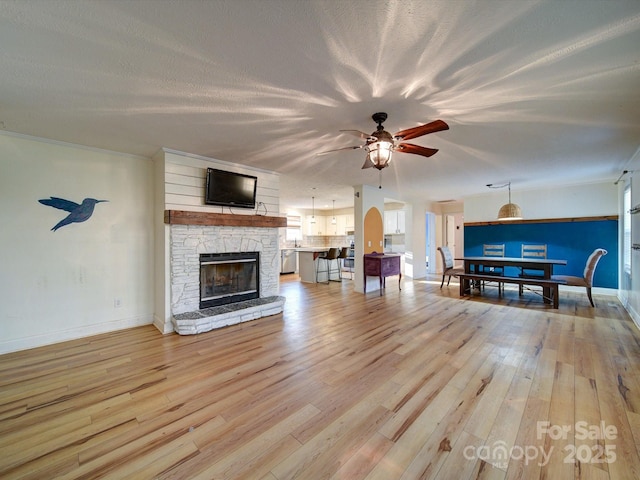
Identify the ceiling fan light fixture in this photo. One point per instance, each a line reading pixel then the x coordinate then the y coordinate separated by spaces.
pixel 379 150
pixel 381 144
pixel 379 153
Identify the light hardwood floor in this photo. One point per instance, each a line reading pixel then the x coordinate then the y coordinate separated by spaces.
pixel 415 384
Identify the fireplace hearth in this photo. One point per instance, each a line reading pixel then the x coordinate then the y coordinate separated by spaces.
pixel 187 243
pixel 227 278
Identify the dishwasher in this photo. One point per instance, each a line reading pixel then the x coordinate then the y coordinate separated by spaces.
pixel 288 261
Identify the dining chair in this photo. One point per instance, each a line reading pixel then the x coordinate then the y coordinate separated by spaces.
pixel 493 250
pixel 587 277
pixel 532 251
pixel 448 267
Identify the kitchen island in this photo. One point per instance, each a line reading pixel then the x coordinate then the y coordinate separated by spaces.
pixel 308 264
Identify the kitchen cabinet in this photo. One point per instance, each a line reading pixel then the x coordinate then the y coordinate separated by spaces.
pixel 349 225
pixel 344 224
pixel 335 228
pixel 394 221
pixel 317 228
pixel 340 228
pixel 323 225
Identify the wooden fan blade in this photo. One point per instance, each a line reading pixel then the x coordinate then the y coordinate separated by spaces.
pixel 417 149
pixel 359 134
pixel 409 133
pixel 338 149
pixel 368 163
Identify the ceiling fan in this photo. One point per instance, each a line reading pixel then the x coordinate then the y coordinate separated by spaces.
pixel 380 144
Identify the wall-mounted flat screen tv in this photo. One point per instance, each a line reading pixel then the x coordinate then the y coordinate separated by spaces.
pixel 230 189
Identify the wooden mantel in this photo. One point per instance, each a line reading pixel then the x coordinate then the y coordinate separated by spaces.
pixel 182 217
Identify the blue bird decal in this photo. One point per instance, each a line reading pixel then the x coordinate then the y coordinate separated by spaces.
pixel 77 212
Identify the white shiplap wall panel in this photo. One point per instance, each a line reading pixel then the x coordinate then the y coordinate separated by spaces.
pixel 185 176
pixel 177 179
pixel 184 200
pixel 188 190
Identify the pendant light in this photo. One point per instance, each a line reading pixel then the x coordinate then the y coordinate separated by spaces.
pixel 333 220
pixel 509 211
pixel 313 209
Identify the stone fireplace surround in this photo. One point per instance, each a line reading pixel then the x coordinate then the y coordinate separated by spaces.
pixel 187 242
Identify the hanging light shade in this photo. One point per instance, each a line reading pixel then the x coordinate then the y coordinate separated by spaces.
pixel 379 152
pixel 313 209
pixel 510 211
pixel 333 220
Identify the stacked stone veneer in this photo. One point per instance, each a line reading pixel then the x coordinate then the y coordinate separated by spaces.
pixel 189 241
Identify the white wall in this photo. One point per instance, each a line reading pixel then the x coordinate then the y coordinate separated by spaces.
pixel 415 265
pixel 583 200
pixel 61 285
pixel 366 197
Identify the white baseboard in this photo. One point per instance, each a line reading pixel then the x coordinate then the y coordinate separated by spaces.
pixel 71 334
pixel 635 316
pixel 164 327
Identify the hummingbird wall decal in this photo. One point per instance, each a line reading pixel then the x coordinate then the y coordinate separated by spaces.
pixel 77 212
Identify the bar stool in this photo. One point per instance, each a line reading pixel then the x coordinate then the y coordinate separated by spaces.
pixel 344 252
pixel 332 254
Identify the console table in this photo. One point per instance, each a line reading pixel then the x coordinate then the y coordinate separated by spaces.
pixel 382 266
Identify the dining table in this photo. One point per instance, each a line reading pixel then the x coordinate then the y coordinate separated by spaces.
pixel 545 265
pixel 479 264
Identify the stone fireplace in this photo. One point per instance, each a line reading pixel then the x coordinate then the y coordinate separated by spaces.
pixel 191 243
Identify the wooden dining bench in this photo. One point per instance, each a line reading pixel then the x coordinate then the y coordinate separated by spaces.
pixel 467 278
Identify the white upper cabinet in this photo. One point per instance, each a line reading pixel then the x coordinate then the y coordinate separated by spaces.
pixel 335 228
pixel 349 223
pixel 324 226
pixel 319 227
pixel 394 221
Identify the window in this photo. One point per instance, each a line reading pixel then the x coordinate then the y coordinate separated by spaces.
pixel 626 246
pixel 294 228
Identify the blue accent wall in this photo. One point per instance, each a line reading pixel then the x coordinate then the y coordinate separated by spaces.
pixel 571 241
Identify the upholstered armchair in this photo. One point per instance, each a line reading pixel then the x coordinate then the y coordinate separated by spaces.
pixel 448 267
pixel 587 279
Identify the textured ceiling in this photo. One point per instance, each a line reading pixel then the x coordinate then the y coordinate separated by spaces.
pixel 535 92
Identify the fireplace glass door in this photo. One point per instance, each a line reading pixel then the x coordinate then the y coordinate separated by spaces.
pixel 228 278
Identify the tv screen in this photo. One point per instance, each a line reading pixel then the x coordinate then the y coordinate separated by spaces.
pixel 230 189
